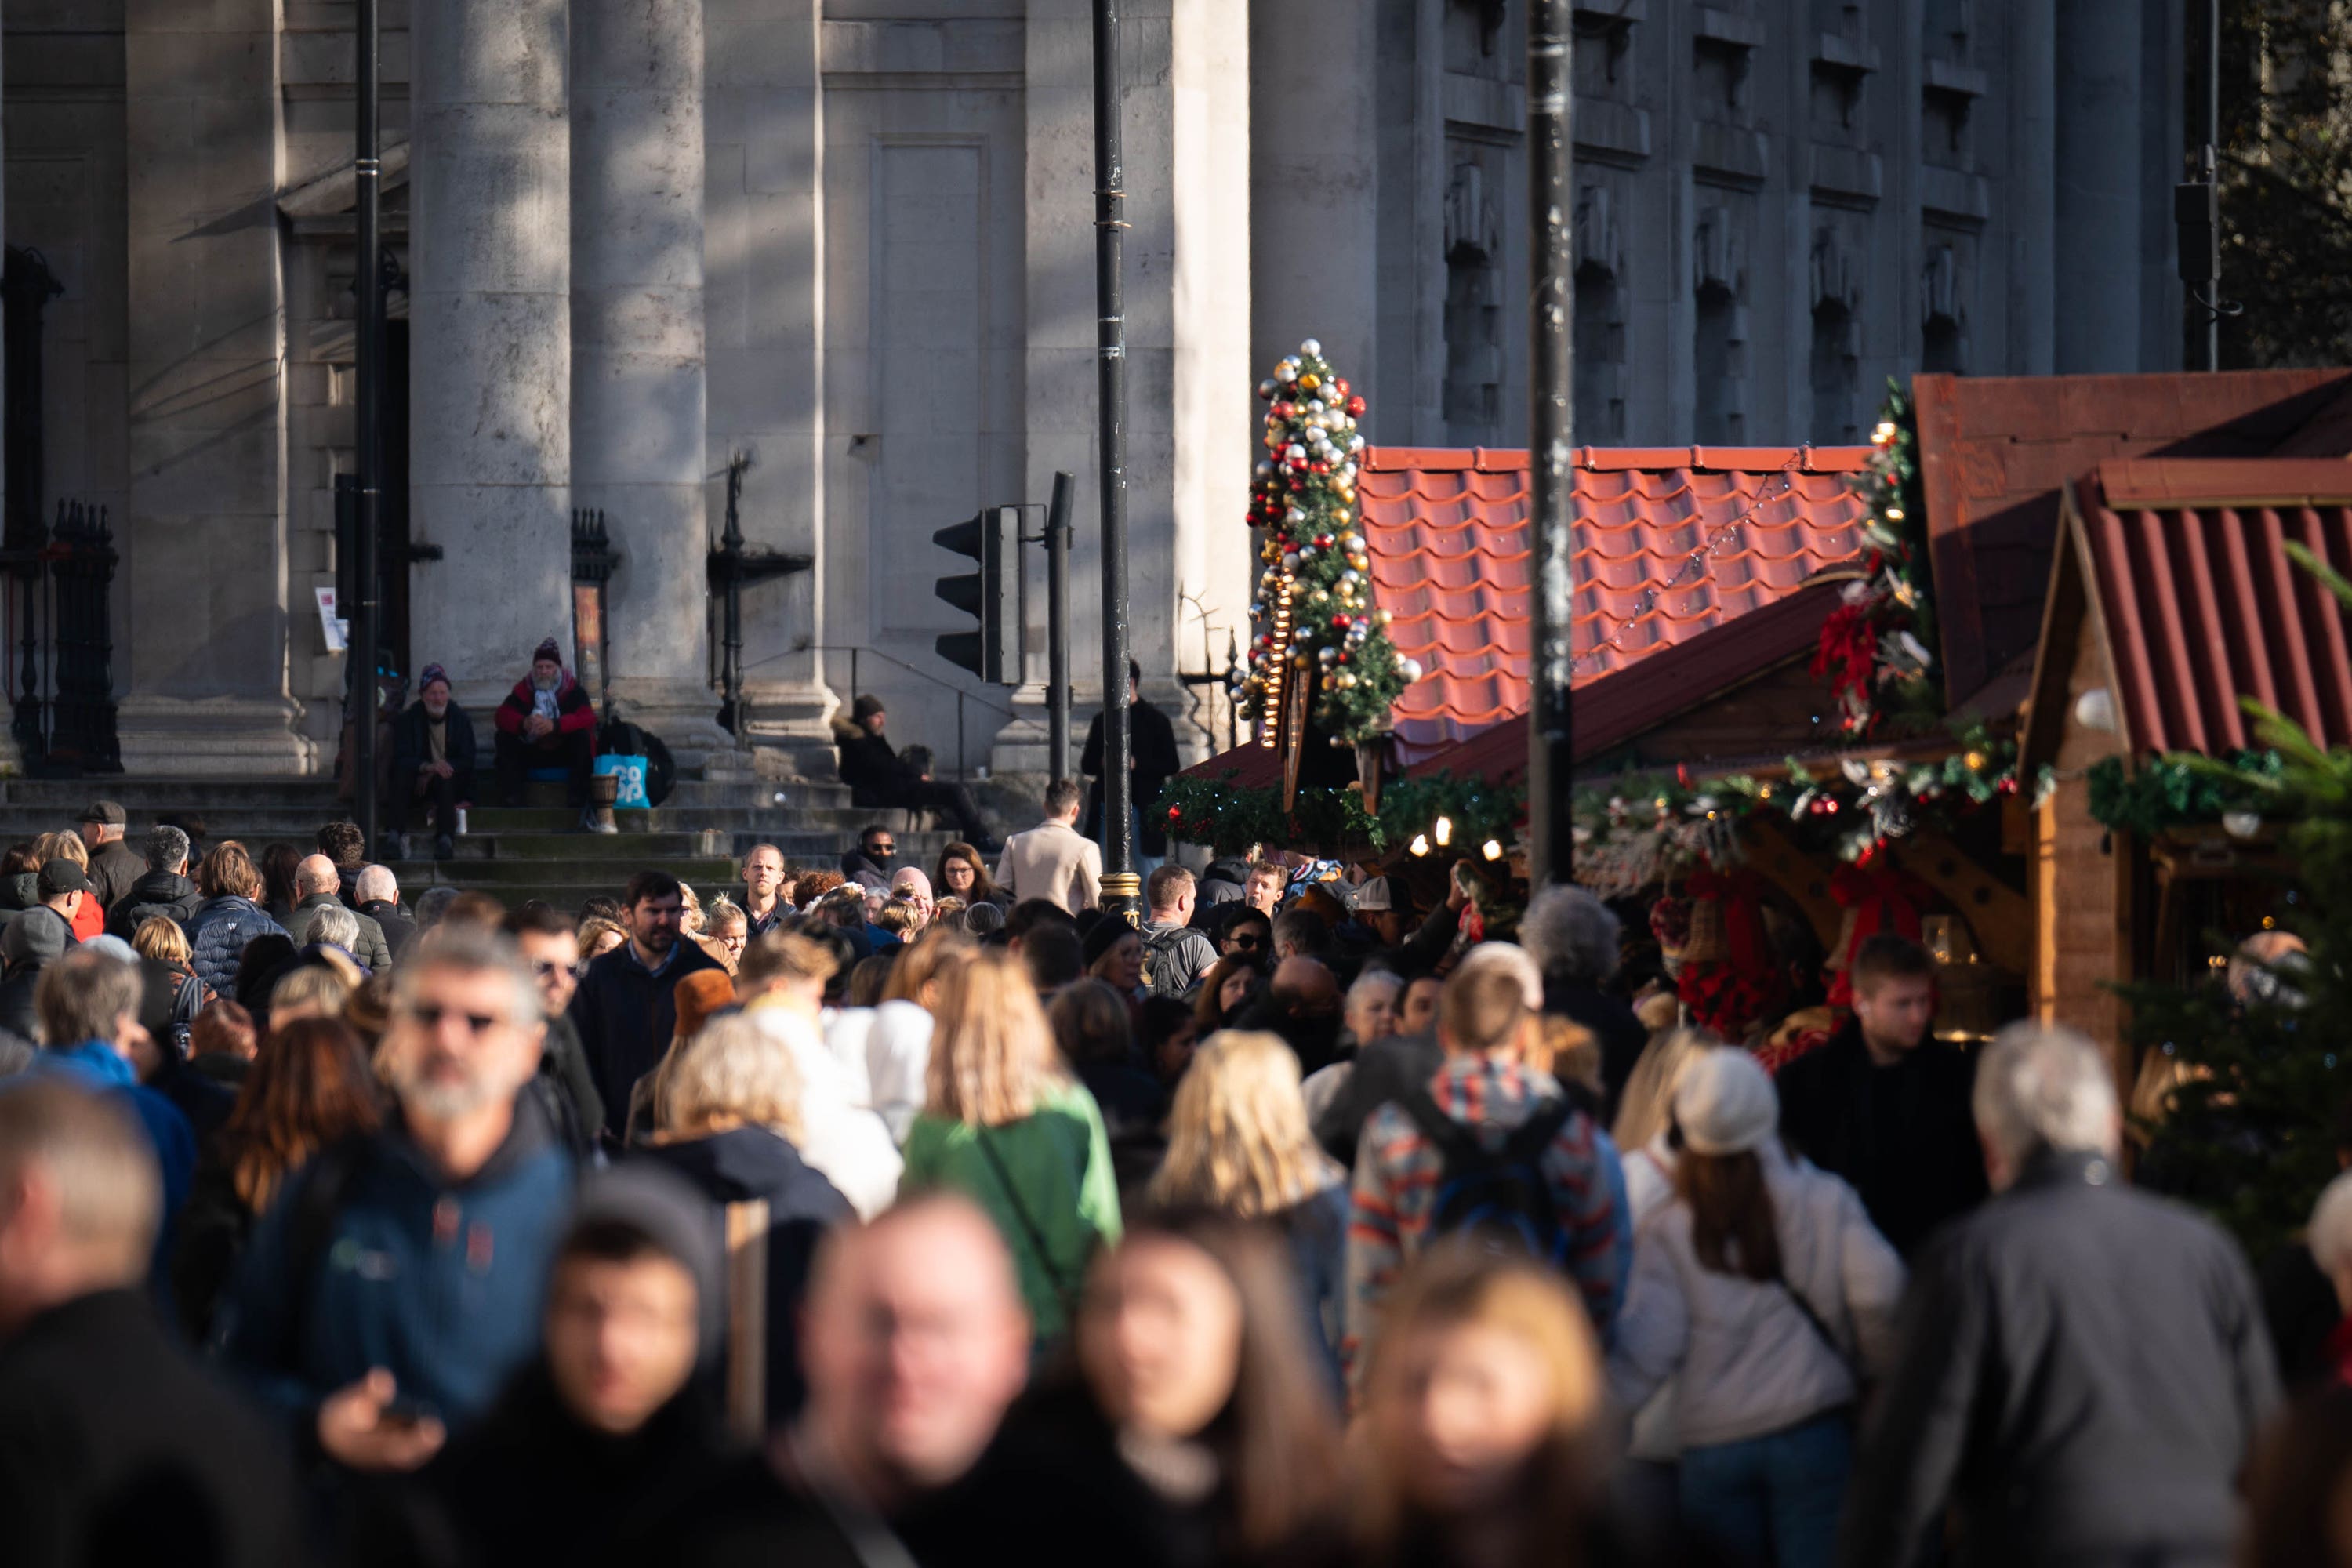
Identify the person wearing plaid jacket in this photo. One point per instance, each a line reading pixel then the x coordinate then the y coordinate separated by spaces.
pixel 1485 1085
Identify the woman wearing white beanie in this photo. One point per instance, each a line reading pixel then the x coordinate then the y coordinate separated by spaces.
pixel 1764 1290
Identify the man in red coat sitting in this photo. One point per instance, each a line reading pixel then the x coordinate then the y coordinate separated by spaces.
pixel 547 721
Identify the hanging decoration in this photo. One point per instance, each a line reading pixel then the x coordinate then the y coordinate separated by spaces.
pixel 1727 976
pixel 2185 790
pixel 1646 831
pixel 1313 594
pixel 1444 816
pixel 1877 898
pixel 1875 649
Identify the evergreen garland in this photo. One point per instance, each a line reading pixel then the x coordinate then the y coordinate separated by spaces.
pixel 1315 594
pixel 1230 817
pixel 2178 791
pixel 1876 648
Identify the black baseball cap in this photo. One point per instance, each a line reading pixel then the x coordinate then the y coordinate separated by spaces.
pixel 62 876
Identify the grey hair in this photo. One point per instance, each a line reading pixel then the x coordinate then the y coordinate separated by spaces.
pixel 1570 934
pixel 431 904
pixel 166 847
pixel 377 885
pixel 473 951
pixel 1368 981
pixel 2331 1226
pixel 2044 1086
pixel 336 925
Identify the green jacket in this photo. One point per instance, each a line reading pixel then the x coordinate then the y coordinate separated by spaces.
pixel 1061 1193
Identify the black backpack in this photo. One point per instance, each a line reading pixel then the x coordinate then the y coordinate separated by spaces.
pixel 1498 1194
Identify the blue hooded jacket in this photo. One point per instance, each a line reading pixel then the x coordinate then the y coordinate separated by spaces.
pixel 217 935
pixel 438 1283
pixel 100 1067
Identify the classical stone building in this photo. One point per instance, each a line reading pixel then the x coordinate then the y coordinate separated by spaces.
pixel 853 238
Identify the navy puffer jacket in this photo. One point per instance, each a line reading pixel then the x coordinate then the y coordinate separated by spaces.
pixel 217 935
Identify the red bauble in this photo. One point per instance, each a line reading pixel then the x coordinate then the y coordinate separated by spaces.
pixel 1356 406
pixel 1341 660
pixel 1342 622
pixel 1322 468
pixel 1339 384
pixel 1175 814
pixel 1284 410
pixel 1322 542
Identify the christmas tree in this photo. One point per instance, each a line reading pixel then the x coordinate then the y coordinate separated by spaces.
pixel 2257 1115
pixel 1314 596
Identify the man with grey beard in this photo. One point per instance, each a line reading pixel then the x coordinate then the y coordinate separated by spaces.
pixel 394 1285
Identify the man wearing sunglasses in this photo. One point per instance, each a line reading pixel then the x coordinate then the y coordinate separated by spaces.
pixel 550 948
pixel 394 1286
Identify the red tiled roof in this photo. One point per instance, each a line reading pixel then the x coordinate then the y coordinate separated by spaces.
pixel 2196 603
pixel 1447 531
pixel 1996 453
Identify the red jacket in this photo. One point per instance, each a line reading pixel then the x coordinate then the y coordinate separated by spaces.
pixel 573 711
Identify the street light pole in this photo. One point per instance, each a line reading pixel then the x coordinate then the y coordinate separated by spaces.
pixel 1121 893
pixel 1551 843
pixel 367 287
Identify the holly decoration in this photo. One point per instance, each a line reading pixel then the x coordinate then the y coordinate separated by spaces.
pixel 1315 588
pixel 1875 646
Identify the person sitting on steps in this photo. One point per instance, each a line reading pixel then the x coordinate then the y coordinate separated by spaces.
pixel 877 777
pixel 547 721
pixel 433 760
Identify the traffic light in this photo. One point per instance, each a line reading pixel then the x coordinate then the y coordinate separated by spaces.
pixel 991 595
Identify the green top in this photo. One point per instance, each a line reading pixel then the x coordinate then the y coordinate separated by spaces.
pixel 1062 1191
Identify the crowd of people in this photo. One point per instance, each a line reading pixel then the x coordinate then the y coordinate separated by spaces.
pixel 893 1214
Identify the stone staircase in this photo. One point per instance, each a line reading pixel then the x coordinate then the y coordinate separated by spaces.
pixel 534 851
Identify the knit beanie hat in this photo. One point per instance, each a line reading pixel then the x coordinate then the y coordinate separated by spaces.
pixel 548 649
pixel 1725 1104
pixel 432 672
pixel 700 995
pixel 865 707
pixel 1103 935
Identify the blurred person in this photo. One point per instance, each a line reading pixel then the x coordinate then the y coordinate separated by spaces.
pixel 223 1043
pixel 1762 1290
pixel 1374 908
pixel 304 991
pixel 1054 957
pixel 962 872
pixel 1151 760
pixel 900 919
pixel 2297 1486
pixel 337 928
pixel 625 1008
pixel 915 1343
pixel 1054 861
pixel 546 721
pixel 1575 941
pixel 1238 1141
pixel 464 1194
pixel 1300 933
pixel 1232 985
pixel 191 823
pixel 608 1448
pixel 813 886
pixel 947 913
pixel 161 890
pixel 877 776
pixel 898 1044
pixel 1177 957
pixel 264 961
pixel 20 881
pixel 313 1089
pixel 113 1447
pixel 869 978
pixel 1003 1125
pixel 112 865
pixel 729 1123
pixel 1165 1039
pixel 375 893
pixel 1302 1004
pixel 1886 1105
pixel 319 886
pixel 36 939
pixel 1095 1034
pixel 432 905
pixel 1195 1432
pixel 543 939
pixel 66 892
pixel 725 929
pixel 1249 930
pixel 699 998
pixel 344 844
pixel 1028 914
pixel 1417 1006
pixel 983 920
pixel 434 759
pixel 1370 1009
pixel 598 937
pixel 782 983
pixel 1114 955
pixel 2083 1367
pixel 1481 1441
pixel 911 887
pixel 1645 1112
pixel 278 895
pixel 230 917
pixel 1494 1137
pixel 763 889
pixel 1263 888
pixel 174 996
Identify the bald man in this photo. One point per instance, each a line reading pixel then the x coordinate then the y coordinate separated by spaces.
pixel 915 1342
pixel 319 883
pixel 113 1447
pixel 1302 1006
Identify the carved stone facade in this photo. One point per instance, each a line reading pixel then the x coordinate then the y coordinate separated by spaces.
pixel 853 239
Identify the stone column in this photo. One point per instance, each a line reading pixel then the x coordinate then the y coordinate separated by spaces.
pixel 2097 237
pixel 639 402
pixel 202 592
pixel 490 337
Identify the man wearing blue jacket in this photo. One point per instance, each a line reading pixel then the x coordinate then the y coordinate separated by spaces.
pixel 395 1285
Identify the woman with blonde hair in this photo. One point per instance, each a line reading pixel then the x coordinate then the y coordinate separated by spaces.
pixel 730 1120
pixel 897 1044
pixel 1481 1420
pixel 1239 1141
pixel 1003 1124
pixel 725 930
pixel 599 936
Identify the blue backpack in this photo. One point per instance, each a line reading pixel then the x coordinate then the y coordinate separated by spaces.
pixel 1495 1194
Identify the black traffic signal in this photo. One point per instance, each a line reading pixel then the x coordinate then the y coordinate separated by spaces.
pixel 991 595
